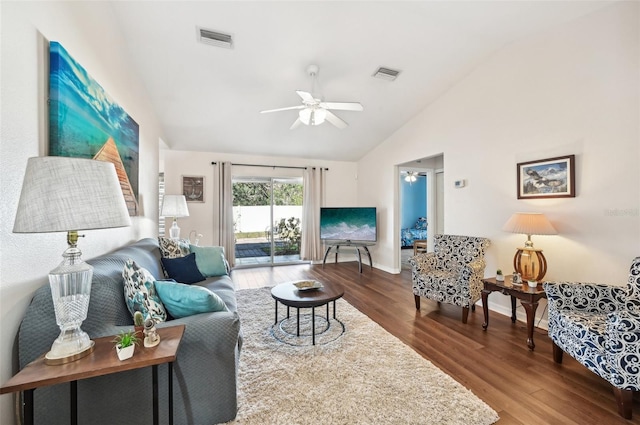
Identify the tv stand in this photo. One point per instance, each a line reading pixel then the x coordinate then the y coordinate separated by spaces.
pixel 356 245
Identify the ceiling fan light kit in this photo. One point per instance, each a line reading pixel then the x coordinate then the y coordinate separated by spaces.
pixel 314 111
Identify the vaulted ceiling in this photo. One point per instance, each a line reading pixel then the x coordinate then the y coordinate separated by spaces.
pixel 209 98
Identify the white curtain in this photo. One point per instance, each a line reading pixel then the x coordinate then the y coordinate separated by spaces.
pixel 223 222
pixel 313 199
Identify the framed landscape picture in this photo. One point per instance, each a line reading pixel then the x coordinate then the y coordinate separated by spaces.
pixel 193 188
pixel 547 178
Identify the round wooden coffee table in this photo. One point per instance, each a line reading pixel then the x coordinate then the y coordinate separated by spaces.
pixel 289 295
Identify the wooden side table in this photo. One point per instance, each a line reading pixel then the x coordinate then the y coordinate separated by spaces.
pixel 102 361
pixel 528 296
pixel 419 245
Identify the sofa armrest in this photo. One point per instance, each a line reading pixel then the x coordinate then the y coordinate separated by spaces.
pixel 474 268
pixel 584 297
pixel 217 333
pixel 622 345
pixel 422 263
pixel 471 274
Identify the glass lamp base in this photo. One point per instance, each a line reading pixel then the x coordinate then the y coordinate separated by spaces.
pixel 52 358
pixel 174 231
pixel 70 284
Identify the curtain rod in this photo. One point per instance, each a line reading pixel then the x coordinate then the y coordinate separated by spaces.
pixel 271 166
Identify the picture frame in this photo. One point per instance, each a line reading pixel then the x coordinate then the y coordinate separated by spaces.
pixel 85 122
pixel 193 188
pixel 547 178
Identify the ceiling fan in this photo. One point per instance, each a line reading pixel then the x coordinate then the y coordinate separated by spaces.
pixel 411 176
pixel 315 111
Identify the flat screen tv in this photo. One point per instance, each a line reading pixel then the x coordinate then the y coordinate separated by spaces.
pixel 348 224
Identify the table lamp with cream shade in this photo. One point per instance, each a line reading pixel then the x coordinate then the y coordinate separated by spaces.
pixel 174 206
pixel 529 261
pixel 61 194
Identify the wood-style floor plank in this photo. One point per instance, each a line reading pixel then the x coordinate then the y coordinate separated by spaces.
pixel 524 387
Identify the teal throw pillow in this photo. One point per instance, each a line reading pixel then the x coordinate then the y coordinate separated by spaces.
pixel 210 260
pixel 183 300
pixel 140 292
pixel 182 269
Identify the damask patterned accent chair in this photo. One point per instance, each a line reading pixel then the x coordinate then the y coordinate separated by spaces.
pixel 452 273
pixel 599 326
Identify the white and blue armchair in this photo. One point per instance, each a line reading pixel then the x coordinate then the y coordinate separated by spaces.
pixel 599 326
pixel 452 273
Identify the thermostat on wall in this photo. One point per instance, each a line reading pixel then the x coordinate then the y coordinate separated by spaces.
pixel 459 183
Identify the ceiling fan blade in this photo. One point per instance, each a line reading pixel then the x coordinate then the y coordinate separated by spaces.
pixel 343 106
pixel 333 119
pixel 306 96
pixel 295 124
pixel 282 109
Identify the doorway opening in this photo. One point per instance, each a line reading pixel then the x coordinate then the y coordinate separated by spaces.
pixel 420 206
pixel 267 218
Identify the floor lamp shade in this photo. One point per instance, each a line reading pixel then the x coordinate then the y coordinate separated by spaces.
pixel 529 261
pixel 174 206
pixel 61 194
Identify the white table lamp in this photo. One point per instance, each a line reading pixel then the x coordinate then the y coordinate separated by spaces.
pixel 174 206
pixel 61 194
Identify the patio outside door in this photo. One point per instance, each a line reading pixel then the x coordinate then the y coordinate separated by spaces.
pixel 267 220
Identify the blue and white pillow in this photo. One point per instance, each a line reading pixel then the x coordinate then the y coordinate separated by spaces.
pixel 140 293
pixel 173 248
pixel 421 223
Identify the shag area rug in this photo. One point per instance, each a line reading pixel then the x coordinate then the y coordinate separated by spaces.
pixel 363 376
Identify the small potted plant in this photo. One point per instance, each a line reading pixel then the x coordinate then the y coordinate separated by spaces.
pixel 499 275
pixel 125 344
pixel 138 324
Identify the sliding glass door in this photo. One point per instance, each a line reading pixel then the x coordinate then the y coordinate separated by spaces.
pixel 267 215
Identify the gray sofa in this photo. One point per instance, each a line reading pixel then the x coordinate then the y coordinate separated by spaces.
pixel 205 373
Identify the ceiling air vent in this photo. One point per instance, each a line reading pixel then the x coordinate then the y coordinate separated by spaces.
pixel 214 38
pixel 386 73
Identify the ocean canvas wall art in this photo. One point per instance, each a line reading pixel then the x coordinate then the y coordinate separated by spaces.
pixel 85 122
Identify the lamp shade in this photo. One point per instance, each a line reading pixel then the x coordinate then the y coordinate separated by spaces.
pixel 529 224
pixel 174 206
pixel 60 194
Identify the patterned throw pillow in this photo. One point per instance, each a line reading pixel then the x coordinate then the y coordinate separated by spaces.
pixel 140 293
pixel 173 248
pixel 421 224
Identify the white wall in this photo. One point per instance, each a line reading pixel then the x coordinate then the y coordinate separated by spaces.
pixel 90 35
pixel 570 90
pixel 256 218
pixel 341 181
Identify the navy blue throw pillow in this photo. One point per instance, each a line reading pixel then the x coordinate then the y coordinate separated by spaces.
pixel 183 269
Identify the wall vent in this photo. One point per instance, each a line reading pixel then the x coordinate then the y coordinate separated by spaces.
pixel 386 73
pixel 214 38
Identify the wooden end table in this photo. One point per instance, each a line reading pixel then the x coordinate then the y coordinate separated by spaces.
pixel 528 296
pixel 102 361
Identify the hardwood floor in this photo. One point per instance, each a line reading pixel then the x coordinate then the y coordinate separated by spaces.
pixel 523 387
